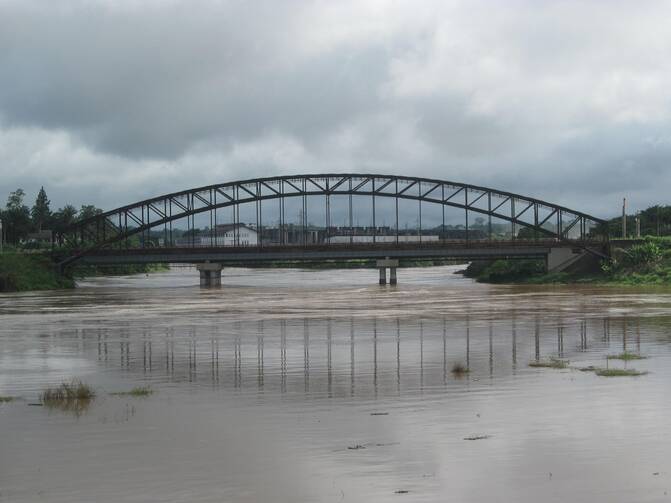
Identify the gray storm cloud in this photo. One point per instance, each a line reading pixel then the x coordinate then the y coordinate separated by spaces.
pixel 107 102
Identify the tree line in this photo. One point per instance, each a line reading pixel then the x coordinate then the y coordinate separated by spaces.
pixel 653 221
pixel 19 220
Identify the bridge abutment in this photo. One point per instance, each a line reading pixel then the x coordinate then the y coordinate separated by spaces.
pixel 210 274
pixel 560 259
pixel 382 265
pixel 575 259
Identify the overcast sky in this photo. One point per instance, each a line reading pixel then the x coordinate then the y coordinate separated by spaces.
pixel 110 102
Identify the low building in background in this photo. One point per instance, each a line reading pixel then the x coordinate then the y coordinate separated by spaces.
pixel 401 238
pixel 223 235
pixel 42 237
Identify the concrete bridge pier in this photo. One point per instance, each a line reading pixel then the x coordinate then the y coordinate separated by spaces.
pixel 210 274
pixel 392 276
pixel 382 266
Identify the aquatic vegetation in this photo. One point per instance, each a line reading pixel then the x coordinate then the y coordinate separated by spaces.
pixel 478 437
pixel 74 397
pixel 626 356
pixel 551 363
pixel 619 372
pixel 74 390
pixel 136 391
pixel 7 399
pixel 459 369
pixel 76 407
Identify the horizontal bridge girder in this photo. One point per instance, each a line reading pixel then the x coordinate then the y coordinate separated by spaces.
pixel 311 254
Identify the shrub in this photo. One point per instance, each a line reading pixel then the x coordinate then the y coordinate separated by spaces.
pixel 501 271
pixel 644 254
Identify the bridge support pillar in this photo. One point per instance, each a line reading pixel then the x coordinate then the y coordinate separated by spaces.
pixel 382 265
pixel 210 274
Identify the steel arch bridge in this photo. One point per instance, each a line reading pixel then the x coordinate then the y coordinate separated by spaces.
pixel 128 229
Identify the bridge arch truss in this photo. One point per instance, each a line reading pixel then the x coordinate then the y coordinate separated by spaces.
pixel 116 227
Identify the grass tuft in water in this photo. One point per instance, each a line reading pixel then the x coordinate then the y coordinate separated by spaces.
pixel 74 397
pixel 7 399
pixel 626 356
pixel 619 372
pixel 137 391
pixel 459 369
pixel 74 390
pixel 552 363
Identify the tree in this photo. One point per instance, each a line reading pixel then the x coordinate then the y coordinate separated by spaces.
pixel 88 211
pixel 16 217
pixel 40 211
pixel 15 199
pixel 654 220
pixel 64 218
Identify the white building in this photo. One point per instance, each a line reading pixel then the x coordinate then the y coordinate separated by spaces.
pixel 406 238
pixel 224 235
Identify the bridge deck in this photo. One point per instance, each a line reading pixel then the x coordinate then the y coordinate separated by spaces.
pixel 473 250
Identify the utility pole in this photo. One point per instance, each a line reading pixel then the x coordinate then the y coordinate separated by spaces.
pixel 638 225
pixel 624 218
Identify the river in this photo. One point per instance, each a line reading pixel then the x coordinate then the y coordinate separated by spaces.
pixel 309 386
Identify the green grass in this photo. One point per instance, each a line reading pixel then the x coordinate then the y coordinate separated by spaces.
pixel 137 391
pixel 619 372
pixel 551 363
pixel 644 264
pixel 74 390
pixel 30 271
pixel 7 399
pixel 626 356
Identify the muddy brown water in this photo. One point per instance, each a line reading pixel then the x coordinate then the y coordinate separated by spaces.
pixel 289 385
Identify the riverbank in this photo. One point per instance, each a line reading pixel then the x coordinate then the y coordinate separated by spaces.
pixel 87 271
pixel 647 263
pixel 30 271
pixel 21 272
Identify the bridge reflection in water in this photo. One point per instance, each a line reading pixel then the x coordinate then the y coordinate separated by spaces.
pixel 355 357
